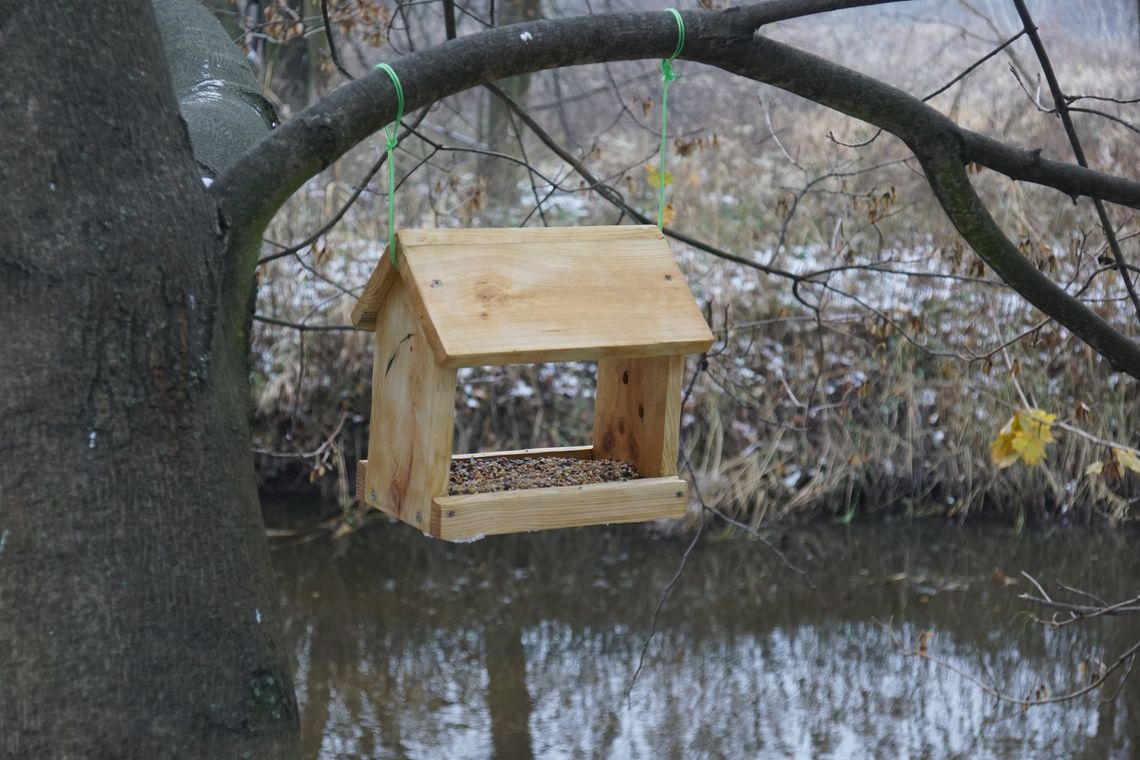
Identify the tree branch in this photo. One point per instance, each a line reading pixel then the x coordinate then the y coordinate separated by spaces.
pixel 947 177
pixel 218 96
pixel 614 197
pixel 264 177
pixel 251 191
pixel 1062 107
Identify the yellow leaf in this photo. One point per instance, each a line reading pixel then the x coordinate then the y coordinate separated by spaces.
pixel 1001 450
pixel 1031 449
pixel 1035 431
pixel 1023 437
pixel 1127 458
pixel 655 177
pixel 1042 417
pixel 667 216
pixel 1096 468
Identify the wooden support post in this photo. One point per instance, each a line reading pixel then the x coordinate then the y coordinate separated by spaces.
pixel 413 413
pixel 637 412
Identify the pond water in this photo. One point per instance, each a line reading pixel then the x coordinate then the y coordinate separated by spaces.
pixel 526 646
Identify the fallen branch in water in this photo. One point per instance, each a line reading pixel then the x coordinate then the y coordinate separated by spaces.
pixel 1099 672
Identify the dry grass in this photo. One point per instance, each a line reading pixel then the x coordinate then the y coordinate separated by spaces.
pixel 857 391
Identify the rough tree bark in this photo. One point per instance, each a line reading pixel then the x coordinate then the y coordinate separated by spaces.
pixel 137 613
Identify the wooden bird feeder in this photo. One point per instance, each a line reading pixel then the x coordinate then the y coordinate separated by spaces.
pixel 474 297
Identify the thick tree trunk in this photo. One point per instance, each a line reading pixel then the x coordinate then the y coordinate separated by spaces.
pixel 137 614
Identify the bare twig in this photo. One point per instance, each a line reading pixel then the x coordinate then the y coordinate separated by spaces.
pixel 332 41
pixel 301 326
pixel 356 193
pixel 1070 130
pixel 657 610
pixel 1103 98
pixel 741 526
pixel 1125 661
pixel 1126 124
pixel 966 72
pixel 1078 611
pixel 614 197
pixel 319 451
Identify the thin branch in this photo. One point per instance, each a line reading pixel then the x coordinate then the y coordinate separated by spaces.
pixel 1078 611
pixel 966 72
pixel 332 41
pixel 615 198
pixel 1070 130
pixel 657 610
pixel 1126 124
pixel 952 188
pixel 1085 611
pixel 1086 594
pixel 317 452
pixel 251 191
pixel 258 183
pixel 356 193
pixel 746 528
pixel 1123 661
pixel 1102 98
pixel 861 144
pixel 300 326
pixel 449 19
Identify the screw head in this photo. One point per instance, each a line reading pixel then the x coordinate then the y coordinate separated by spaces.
pixel 437 283
pixel 372 495
pixel 419 517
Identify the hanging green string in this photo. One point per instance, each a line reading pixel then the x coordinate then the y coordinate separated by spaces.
pixel 390 132
pixel 667 76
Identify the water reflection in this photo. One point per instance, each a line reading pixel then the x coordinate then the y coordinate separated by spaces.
pixel 524 646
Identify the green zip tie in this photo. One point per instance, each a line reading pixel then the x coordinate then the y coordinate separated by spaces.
pixel 391 132
pixel 667 76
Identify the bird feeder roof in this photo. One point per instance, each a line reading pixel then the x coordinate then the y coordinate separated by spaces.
pixel 523 295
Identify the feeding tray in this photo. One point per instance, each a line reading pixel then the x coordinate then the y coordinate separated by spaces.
pixel 468 298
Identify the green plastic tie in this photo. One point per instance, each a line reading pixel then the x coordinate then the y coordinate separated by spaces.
pixel 667 76
pixel 390 132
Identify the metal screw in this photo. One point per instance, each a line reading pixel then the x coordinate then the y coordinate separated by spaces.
pixel 437 283
pixel 451 513
pixel 372 495
pixel 419 517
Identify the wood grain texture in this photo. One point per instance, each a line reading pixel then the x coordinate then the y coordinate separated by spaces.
pixel 362 481
pixel 413 402
pixel 379 284
pixel 507 296
pixel 413 238
pixel 637 412
pixel 571 452
pixel 456 518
